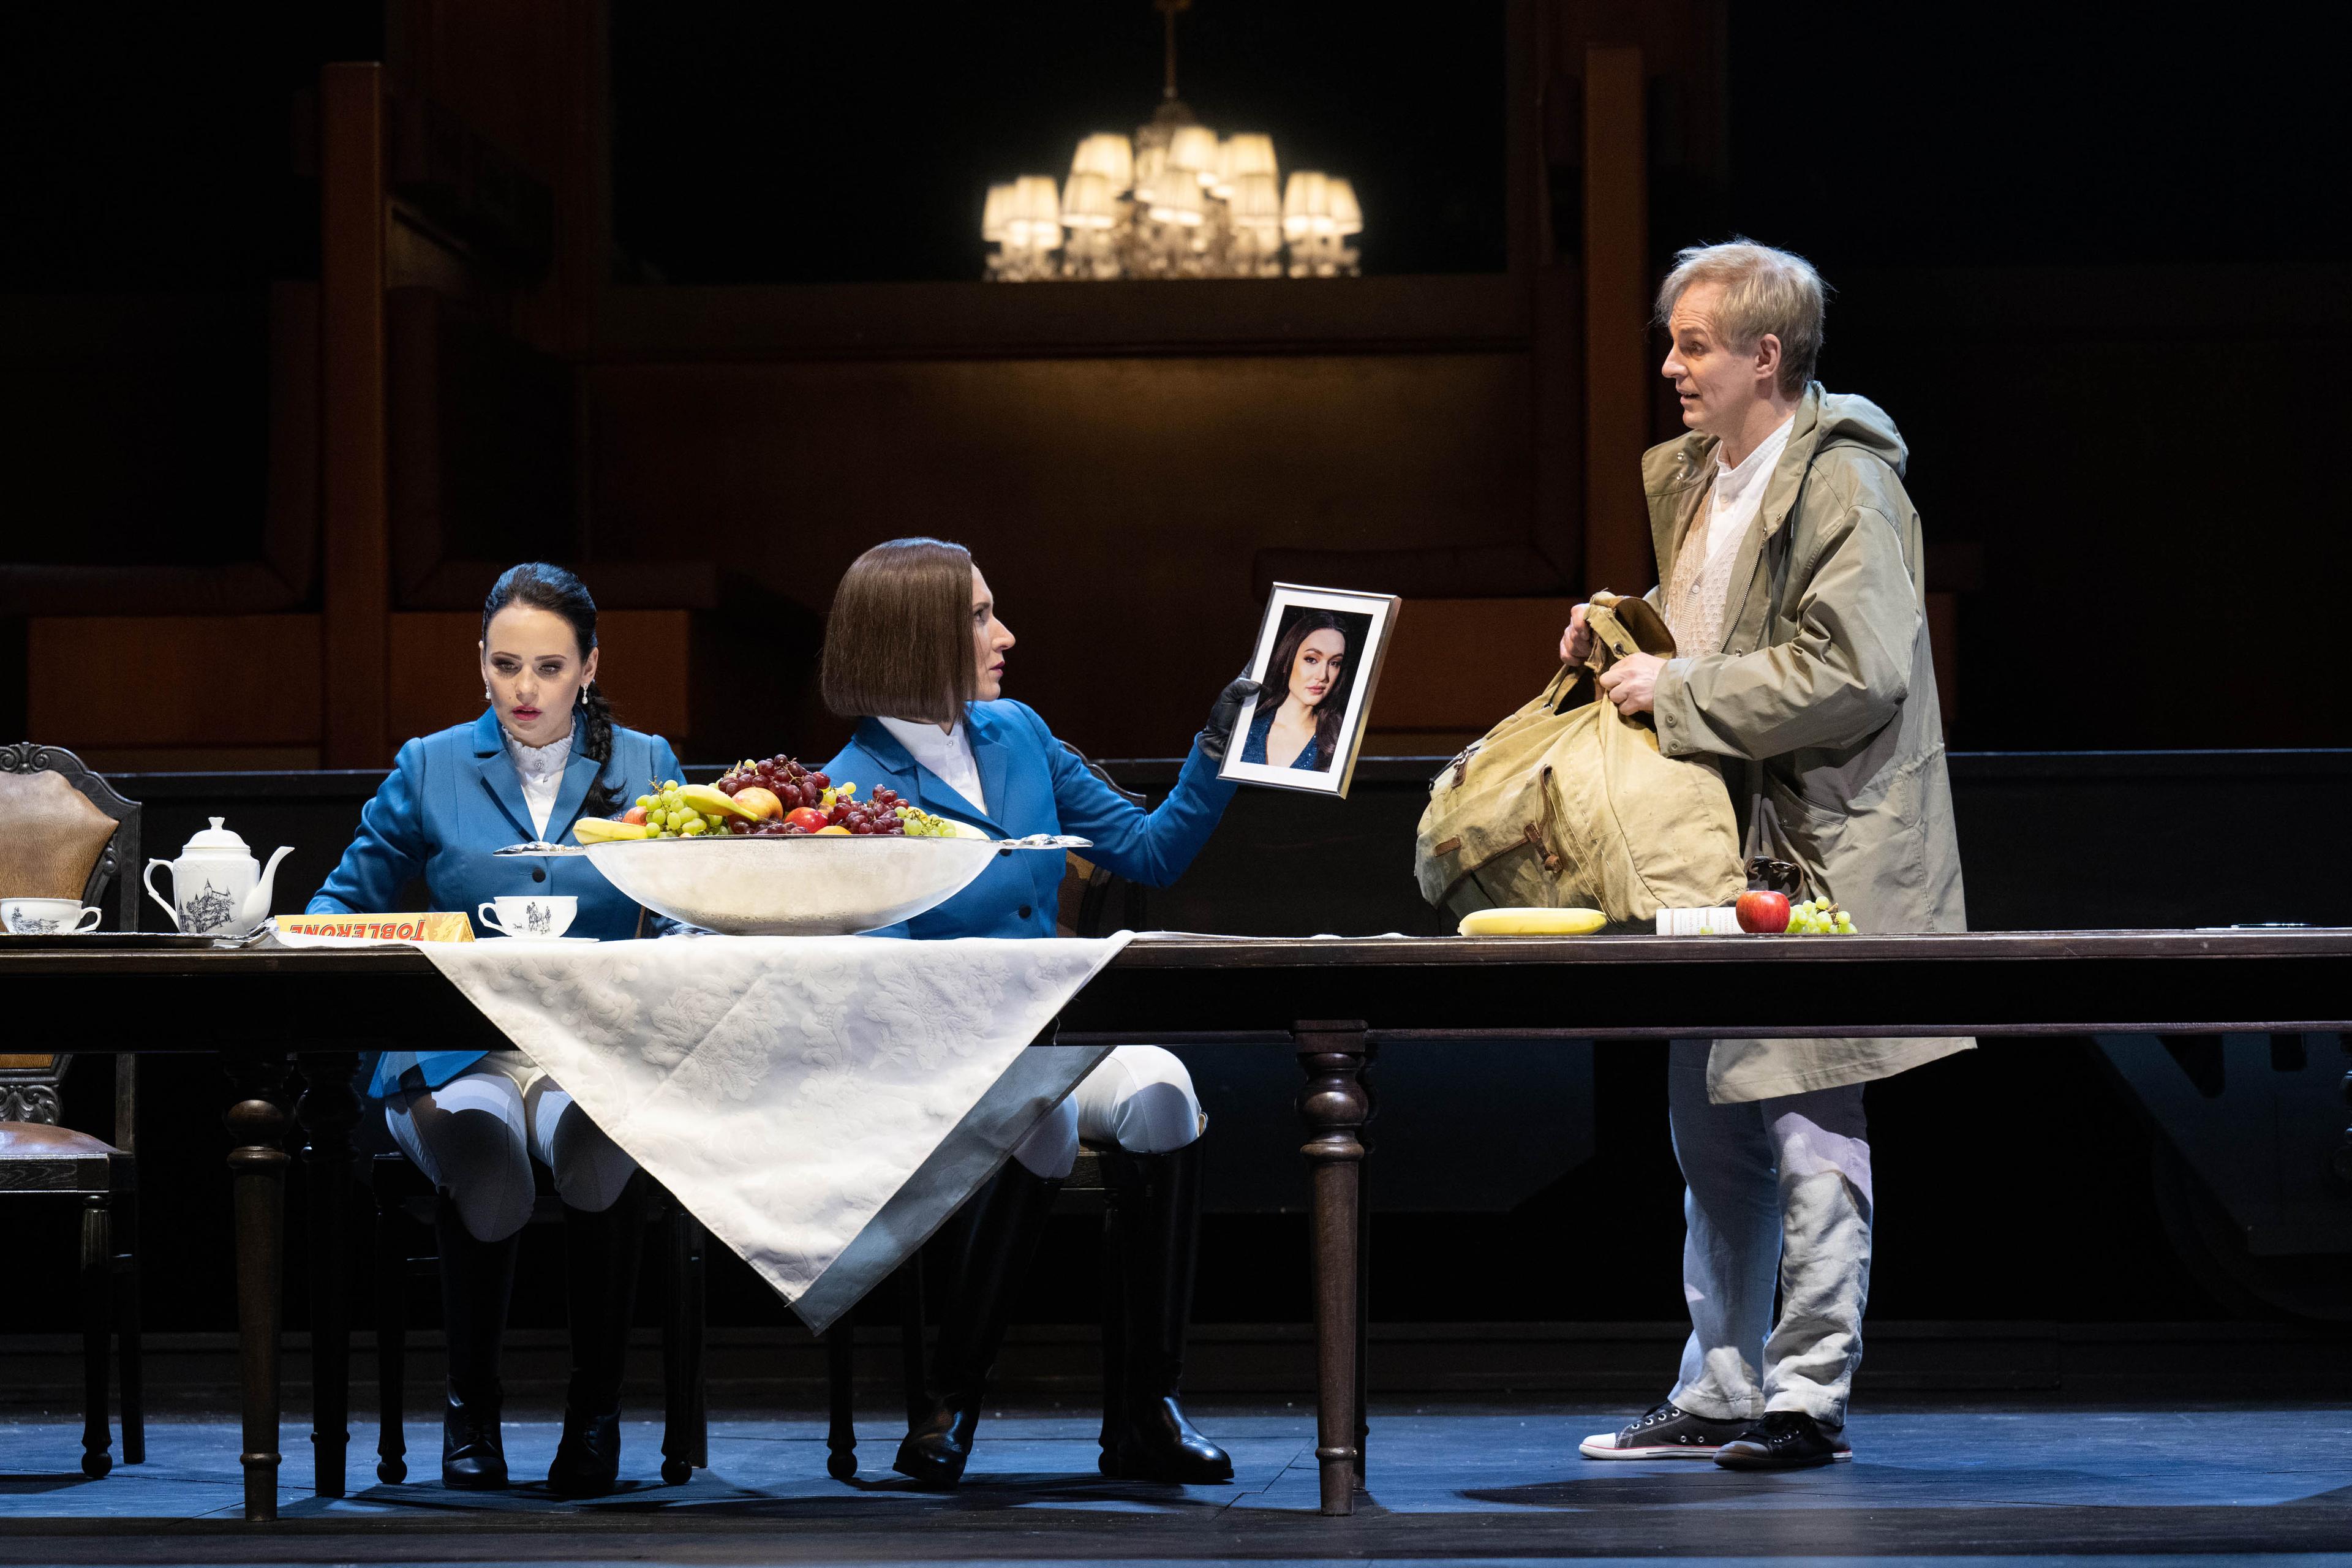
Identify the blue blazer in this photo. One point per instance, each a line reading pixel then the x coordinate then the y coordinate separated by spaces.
pixel 453 798
pixel 1035 784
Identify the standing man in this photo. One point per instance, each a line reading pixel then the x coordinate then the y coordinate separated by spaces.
pixel 1790 564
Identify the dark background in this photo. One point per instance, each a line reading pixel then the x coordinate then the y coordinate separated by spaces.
pixel 2095 270
pixel 808 145
pixel 2093 264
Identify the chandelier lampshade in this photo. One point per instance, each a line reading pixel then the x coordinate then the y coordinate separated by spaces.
pixel 1108 154
pixel 1256 204
pixel 1247 153
pixel 1193 149
pixel 1306 204
pixel 993 214
pixel 1089 201
pixel 1179 202
pixel 1176 200
pixel 1035 218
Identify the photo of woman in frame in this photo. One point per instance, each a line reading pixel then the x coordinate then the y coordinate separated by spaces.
pixel 1318 661
pixel 1301 712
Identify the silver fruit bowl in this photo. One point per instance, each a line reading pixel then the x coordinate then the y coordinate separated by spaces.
pixel 825 885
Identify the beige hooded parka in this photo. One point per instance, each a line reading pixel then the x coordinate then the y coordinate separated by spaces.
pixel 1826 682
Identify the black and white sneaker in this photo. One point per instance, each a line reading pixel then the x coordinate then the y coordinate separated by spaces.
pixel 1666 1432
pixel 1784 1440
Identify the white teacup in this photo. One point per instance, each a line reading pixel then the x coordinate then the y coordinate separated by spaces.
pixel 48 917
pixel 529 915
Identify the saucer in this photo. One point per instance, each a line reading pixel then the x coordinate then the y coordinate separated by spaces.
pixel 544 941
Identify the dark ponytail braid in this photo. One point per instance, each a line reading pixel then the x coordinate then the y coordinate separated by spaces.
pixel 596 742
pixel 552 588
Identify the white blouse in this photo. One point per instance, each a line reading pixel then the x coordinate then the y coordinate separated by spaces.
pixel 947 752
pixel 540 768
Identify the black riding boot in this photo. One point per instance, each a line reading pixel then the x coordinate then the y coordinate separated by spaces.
pixel 1145 1435
pixel 600 1252
pixel 476 1279
pixel 1007 1219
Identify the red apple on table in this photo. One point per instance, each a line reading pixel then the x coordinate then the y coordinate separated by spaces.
pixel 1763 913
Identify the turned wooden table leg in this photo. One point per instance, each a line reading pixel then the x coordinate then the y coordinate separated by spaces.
pixel 256 1167
pixel 328 1111
pixel 1364 1265
pixel 1334 1106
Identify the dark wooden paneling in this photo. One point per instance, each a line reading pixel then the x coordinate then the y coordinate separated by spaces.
pixel 1116 504
pixel 96 682
pixel 358 587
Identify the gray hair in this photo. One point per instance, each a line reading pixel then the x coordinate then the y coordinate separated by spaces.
pixel 1764 290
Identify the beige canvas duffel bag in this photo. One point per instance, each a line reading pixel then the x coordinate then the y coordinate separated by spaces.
pixel 1568 805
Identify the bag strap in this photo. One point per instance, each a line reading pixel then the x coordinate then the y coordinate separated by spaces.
pixel 1608 632
pixel 1762 869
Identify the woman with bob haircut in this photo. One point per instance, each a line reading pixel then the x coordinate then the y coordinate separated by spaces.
pixel 544 753
pixel 914 651
pixel 1302 731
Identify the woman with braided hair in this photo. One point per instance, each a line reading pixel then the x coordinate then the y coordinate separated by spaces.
pixel 543 755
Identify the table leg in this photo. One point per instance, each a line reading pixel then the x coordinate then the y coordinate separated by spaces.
pixel 256 1167
pixel 1364 1266
pixel 1334 1105
pixel 328 1111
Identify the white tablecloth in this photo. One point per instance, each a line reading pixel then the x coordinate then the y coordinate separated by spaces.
pixel 821 1104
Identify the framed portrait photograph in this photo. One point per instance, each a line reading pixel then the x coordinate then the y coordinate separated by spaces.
pixel 1318 659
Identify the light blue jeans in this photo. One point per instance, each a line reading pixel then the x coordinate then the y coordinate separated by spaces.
pixel 1777 1193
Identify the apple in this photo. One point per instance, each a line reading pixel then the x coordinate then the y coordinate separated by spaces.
pixel 1763 913
pixel 758 802
pixel 636 814
pixel 807 818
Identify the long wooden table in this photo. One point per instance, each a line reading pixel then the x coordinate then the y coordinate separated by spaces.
pixel 281 1017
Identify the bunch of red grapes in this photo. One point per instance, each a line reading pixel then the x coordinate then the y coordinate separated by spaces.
pixel 802 794
pixel 791 783
pixel 867 818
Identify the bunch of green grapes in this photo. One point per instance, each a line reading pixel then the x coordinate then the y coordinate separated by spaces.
pixel 670 816
pixel 921 824
pixel 1818 917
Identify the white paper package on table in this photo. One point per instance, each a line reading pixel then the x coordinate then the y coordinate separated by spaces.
pixel 1699 922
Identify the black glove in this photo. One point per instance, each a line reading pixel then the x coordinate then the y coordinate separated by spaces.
pixel 1223 716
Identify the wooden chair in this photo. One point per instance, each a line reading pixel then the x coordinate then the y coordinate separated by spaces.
pixel 40 1159
pixel 1097 1184
pixel 404 1204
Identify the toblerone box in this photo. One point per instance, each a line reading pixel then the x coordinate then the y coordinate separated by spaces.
pixel 442 927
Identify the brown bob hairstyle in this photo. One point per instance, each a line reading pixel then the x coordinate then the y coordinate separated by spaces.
pixel 898 642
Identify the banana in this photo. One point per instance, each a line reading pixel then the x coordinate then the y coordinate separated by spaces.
pixel 602 830
pixel 1532 923
pixel 714 802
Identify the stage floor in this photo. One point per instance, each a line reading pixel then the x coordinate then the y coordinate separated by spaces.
pixel 1449 1483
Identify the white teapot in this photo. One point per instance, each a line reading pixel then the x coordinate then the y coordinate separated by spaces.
pixel 217 887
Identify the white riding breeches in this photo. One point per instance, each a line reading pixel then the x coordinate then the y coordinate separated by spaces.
pixel 1140 1099
pixel 476 1136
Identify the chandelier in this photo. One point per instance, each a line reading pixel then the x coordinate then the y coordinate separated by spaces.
pixel 1175 201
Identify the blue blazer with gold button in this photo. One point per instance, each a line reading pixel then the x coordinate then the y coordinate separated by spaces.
pixel 1035 784
pixel 454 798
